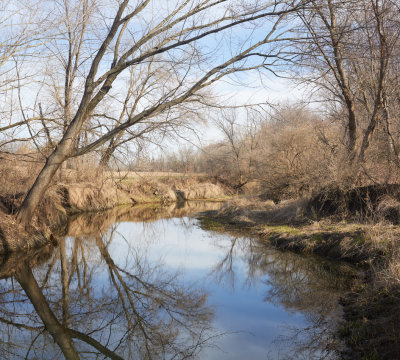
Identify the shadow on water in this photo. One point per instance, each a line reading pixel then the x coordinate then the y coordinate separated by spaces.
pixel 80 300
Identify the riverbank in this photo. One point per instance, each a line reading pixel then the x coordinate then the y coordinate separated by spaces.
pixel 114 189
pixel 75 193
pixel 371 326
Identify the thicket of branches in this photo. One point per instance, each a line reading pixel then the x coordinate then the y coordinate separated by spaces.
pixel 291 151
pixel 346 54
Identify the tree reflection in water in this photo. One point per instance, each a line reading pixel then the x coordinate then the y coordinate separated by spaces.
pixel 94 306
pixel 86 298
pixel 299 283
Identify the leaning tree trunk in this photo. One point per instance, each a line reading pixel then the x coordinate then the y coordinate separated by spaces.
pixel 53 162
pixel 42 182
pixel 60 335
pixel 106 156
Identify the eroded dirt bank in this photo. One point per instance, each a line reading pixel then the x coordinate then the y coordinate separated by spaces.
pixel 72 193
pixel 114 190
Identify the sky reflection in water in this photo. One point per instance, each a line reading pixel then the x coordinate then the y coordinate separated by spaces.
pixel 252 326
pixel 118 286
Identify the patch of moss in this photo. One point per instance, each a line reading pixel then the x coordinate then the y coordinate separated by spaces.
pixel 211 224
pixel 283 229
pixel 317 237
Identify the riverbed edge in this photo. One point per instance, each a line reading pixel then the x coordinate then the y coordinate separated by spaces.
pixel 66 198
pixel 370 327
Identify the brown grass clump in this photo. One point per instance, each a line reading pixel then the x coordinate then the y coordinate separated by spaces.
pixel 370 203
pixel 15 179
pixel 253 210
pixel 16 176
pixel 203 191
pixel 187 187
pixel 385 237
pixel 392 272
pixel 14 238
pixel 389 209
pixel 145 188
pixel 244 210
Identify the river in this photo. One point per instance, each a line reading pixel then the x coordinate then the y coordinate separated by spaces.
pixel 150 283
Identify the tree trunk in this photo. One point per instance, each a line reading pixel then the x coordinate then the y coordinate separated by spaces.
pixel 36 192
pixel 53 162
pixel 106 156
pixel 60 335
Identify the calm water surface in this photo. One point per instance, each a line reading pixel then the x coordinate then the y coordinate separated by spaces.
pixel 148 283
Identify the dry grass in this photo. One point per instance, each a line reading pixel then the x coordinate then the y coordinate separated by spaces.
pixel 389 209
pixel 93 197
pixel 253 210
pixel 170 189
pixel 17 174
pixel 16 178
pixel 14 238
pixel 155 174
pixel 391 274
pixel 203 191
pixel 386 238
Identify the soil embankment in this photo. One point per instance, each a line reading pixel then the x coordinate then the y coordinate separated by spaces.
pixel 359 226
pixel 130 188
pixel 74 194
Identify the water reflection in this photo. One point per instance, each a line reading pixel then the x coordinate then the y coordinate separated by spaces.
pixel 298 283
pixel 91 223
pixel 92 304
pixel 117 288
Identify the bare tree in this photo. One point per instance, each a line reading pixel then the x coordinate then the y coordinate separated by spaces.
pixel 233 158
pixel 348 48
pixel 297 154
pixel 174 35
